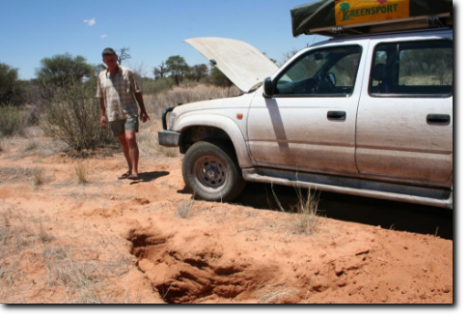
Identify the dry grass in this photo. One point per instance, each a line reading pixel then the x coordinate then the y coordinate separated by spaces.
pixel 85 281
pixel 275 293
pixel 43 235
pixel 38 177
pixel 156 103
pixel 14 174
pixel 15 238
pixel 31 145
pixel 81 171
pixel 55 253
pixel 5 225
pixel 306 218
pixel 72 270
pixel 77 277
pixel 148 144
pixel 168 152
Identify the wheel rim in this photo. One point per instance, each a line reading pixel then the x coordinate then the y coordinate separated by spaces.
pixel 210 173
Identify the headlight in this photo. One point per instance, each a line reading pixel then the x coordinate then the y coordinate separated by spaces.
pixel 172 119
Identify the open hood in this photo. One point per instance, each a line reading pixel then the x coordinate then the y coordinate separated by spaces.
pixel 243 64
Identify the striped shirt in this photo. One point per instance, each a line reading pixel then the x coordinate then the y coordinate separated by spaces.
pixel 118 93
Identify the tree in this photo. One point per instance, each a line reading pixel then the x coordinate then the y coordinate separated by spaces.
pixel 9 84
pixel 178 67
pixel 123 55
pixel 160 71
pixel 97 68
pixel 63 70
pixel 198 71
pixel 218 78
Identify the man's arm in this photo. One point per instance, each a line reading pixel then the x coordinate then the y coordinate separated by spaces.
pixel 143 112
pixel 102 111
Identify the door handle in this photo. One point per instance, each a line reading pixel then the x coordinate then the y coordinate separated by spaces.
pixel 439 119
pixel 336 115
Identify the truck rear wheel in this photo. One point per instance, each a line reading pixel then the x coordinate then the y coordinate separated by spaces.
pixel 210 170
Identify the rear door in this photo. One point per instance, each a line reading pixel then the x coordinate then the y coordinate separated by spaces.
pixel 405 117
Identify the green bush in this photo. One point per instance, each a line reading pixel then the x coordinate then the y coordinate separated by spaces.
pixel 13 121
pixel 10 90
pixel 63 70
pixel 150 86
pixel 217 78
pixel 72 116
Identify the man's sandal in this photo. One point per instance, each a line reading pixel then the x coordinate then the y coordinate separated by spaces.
pixel 124 176
pixel 133 177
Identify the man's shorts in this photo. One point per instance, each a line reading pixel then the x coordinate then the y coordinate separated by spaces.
pixel 120 126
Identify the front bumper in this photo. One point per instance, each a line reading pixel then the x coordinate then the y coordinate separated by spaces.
pixel 169 138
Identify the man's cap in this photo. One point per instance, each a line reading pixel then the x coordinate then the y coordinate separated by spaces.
pixel 108 51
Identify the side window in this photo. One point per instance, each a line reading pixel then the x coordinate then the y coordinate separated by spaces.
pixel 413 69
pixel 329 72
pixel 345 70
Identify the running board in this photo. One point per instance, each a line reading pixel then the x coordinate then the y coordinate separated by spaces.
pixel 353 186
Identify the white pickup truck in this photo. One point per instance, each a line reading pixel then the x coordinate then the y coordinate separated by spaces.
pixel 367 115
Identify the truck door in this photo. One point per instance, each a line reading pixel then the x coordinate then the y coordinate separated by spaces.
pixel 309 123
pixel 405 118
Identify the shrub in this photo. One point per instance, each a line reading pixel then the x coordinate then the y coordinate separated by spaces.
pixel 38 177
pixel 219 79
pixel 155 104
pixel 307 212
pixel 81 171
pixel 9 84
pixel 72 116
pixel 13 121
pixel 63 70
pixel 150 86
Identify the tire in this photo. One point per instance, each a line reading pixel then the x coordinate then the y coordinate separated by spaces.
pixel 211 171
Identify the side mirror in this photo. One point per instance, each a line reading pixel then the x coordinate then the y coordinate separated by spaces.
pixel 268 87
pixel 332 77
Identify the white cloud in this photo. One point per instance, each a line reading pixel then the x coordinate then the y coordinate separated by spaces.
pixel 103 36
pixel 90 22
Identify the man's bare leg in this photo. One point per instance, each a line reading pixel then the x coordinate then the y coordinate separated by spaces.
pixel 125 149
pixel 133 151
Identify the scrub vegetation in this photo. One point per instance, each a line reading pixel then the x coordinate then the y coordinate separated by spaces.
pixel 61 99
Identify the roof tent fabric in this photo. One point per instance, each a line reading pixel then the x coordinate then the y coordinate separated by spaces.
pixel 333 13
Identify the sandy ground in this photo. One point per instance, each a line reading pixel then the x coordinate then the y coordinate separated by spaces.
pixel 113 241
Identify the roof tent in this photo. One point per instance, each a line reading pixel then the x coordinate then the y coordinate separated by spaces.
pixel 350 17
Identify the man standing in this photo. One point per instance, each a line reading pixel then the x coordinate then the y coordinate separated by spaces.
pixel 119 93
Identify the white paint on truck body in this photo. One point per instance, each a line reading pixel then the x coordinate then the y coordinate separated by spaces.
pixel 383 138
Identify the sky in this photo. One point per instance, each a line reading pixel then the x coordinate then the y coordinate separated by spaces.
pixel 153 30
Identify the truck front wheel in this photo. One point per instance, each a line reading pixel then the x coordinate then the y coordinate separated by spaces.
pixel 211 172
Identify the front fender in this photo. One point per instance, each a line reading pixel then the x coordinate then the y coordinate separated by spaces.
pixel 223 123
